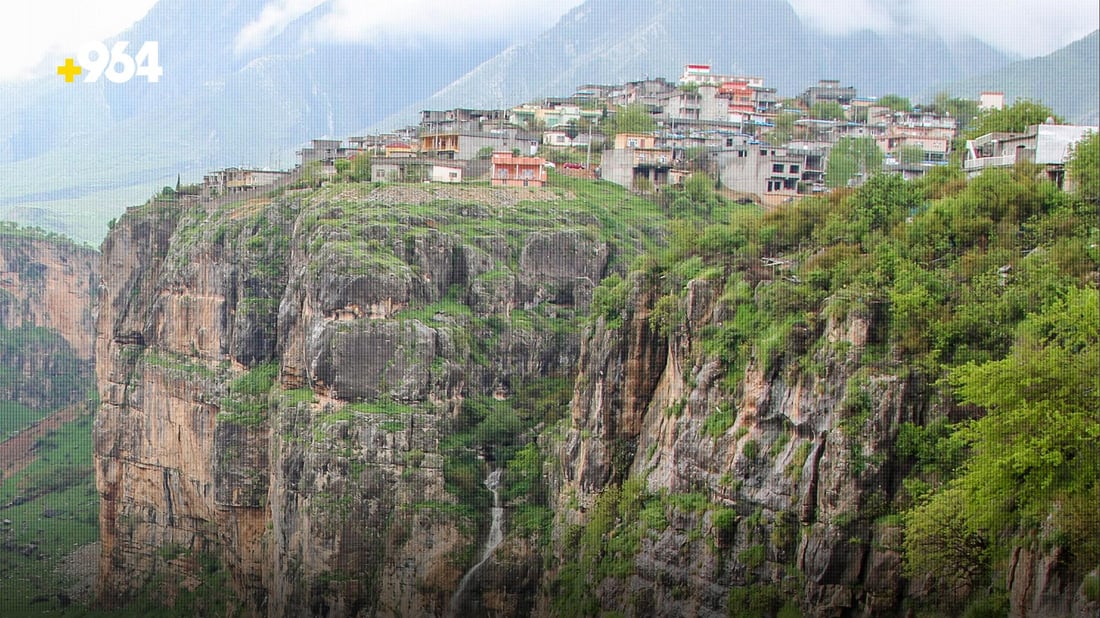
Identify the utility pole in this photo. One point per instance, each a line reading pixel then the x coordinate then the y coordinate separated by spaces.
pixel 588 154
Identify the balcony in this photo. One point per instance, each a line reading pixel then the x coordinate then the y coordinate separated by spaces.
pixel 981 163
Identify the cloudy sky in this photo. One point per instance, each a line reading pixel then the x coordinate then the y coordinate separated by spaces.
pixel 34 34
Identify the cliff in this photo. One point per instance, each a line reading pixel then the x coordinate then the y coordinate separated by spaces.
pixel 302 394
pixel 730 413
pixel 47 289
pixel 765 420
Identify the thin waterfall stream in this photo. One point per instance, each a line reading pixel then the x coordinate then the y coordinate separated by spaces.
pixel 496 535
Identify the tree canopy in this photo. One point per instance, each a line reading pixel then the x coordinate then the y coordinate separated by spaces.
pixel 1084 167
pixel 1032 456
pixel 852 155
pixel 895 102
pixel 827 110
pixel 1012 119
pixel 630 119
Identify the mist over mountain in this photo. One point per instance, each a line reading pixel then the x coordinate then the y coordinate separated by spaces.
pixel 612 41
pixel 1065 80
pixel 73 155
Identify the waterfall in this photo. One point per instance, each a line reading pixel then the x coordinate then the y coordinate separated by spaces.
pixel 496 535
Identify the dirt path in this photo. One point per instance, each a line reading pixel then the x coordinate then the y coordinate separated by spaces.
pixel 18 452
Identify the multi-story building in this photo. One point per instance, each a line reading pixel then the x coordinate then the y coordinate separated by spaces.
pixel 828 90
pixel 466 145
pixel 637 161
pixel 1048 145
pixel 772 173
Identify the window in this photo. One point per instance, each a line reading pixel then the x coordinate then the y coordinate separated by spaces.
pixel 794 169
pixel 777 168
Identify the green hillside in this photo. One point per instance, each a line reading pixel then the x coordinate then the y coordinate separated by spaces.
pixel 1065 80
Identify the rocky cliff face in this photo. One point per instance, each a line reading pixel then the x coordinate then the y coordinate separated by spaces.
pixel 764 483
pixel 278 378
pixel 690 483
pixel 302 395
pixel 46 291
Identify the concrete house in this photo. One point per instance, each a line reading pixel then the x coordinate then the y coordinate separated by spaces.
pixel 416 169
pixel 558 139
pixel 465 145
pixel 828 90
pixel 400 149
pixel 637 160
pixel 1046 144
pixel 511 171
pixel 774 174
pixel 237 180
pixel 324 150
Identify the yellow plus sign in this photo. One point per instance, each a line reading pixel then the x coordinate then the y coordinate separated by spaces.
pixel 69 70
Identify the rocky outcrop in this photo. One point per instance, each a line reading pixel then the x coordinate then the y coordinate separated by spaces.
pixel 46 327
pixel 277 377
pixel 766 486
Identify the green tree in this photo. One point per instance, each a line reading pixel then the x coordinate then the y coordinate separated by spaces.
pixel 963 110
pixel 1013 119
pixel 630 119
pixel 784 128
pixel 850 156
pixel 895 102
pixel 699 187
pixel 1084 167
pixel 360 170
pixel 910 154
pixel 1033 463
pixel 827 110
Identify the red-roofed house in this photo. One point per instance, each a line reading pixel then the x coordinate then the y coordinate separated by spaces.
pixel 512 171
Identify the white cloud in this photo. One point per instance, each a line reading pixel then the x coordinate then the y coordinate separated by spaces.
pixel 273 19
pixel 1024 27
pixel 37 33
pixel 460 21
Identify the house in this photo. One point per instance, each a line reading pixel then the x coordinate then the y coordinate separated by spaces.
pixel 446 172
pixel 465 145
pixel 461 119
pixel 236 180
pixel 1048 145
pixel 559 139
pixel 515 171
pixel 637 162
pixel 400 149
pixel 701 74
pixel 991 100
pixel 826 91
pixel 645 92
pixel 416 169
pixel 772 173
pixel 324 150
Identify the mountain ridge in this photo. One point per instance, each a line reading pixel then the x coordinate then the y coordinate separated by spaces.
pixel 1049 79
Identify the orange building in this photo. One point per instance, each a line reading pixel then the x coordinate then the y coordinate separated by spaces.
pixel 512 171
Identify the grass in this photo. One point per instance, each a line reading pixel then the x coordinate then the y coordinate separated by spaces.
pixel 59 483
pixel 15 416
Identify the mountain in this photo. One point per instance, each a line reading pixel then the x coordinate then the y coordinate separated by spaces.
pixel 612 41
pixel 1066 80
pixel 74 155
